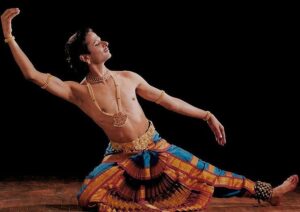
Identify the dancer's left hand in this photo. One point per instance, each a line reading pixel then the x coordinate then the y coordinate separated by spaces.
pixel 217 129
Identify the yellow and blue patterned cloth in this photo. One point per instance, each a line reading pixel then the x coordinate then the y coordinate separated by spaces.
pixel 160 177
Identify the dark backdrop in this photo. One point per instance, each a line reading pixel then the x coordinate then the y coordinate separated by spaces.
pixel 238 61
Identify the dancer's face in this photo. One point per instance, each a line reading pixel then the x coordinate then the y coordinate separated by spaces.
pixel 99 51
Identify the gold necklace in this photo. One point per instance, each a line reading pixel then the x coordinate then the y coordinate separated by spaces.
pixel 119 118
pixel 98 79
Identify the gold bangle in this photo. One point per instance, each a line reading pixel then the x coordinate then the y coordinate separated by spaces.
pixel 10 38
pixel 207 116
pixel 45 85
pixel 158 100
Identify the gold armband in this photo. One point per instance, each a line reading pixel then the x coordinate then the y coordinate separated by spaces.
pixel 158 100
pixel 10 38
pixel 207 116
pixel 45 85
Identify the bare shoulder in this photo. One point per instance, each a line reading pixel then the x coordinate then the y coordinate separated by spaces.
pixel 130 75
pixel 73 84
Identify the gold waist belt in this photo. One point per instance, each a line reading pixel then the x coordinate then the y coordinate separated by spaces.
pixel 138 144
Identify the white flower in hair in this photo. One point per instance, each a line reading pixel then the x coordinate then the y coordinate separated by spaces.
pixel 72 38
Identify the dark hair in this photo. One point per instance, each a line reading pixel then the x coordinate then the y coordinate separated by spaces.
pixel 74 47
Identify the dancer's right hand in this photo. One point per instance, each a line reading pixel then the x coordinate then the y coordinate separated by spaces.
pixel 6 19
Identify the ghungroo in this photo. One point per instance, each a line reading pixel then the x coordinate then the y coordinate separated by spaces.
pixel 263 191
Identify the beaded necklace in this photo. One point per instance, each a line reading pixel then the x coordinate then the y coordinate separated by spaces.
pixel 98 79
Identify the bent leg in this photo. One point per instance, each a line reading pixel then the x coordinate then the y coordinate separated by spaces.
pixel 94 185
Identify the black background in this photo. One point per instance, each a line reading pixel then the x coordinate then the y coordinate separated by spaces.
pixel 238 61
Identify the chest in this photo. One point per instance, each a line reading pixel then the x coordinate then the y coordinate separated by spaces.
pixel 110 98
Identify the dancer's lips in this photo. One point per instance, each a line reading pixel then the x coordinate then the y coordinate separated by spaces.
pixel 106 49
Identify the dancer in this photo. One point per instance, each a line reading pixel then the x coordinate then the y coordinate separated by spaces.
pixel 140 170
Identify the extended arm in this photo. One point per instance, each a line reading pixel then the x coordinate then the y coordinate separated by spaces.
pixel 179 106
pixel 52 84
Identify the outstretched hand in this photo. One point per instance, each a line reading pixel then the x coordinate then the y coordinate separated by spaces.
pixel 217 129
pixel 6 19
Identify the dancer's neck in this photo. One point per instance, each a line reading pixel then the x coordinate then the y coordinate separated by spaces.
pixel 98 75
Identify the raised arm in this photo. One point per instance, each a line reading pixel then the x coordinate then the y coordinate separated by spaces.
pixel 177 105
pixel 53 84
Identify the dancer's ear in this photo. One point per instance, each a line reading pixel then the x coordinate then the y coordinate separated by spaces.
pixel 85 58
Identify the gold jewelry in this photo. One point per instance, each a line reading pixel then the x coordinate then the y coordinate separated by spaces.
pixel 98 79
pixel 207 116
pixel 45 85
pixel 10 38
pixel 138 144
pixel 119 118
pixel 158 100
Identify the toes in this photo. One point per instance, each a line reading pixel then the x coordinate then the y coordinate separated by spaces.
pixel 293 179
pixel 296 178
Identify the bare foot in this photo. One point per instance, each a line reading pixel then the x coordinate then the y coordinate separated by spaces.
pixel 288 185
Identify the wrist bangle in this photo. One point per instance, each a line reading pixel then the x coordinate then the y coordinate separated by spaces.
pixel 9 38
pixel 207 116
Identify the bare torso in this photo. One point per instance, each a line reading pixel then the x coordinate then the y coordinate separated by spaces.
pixel 105 95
